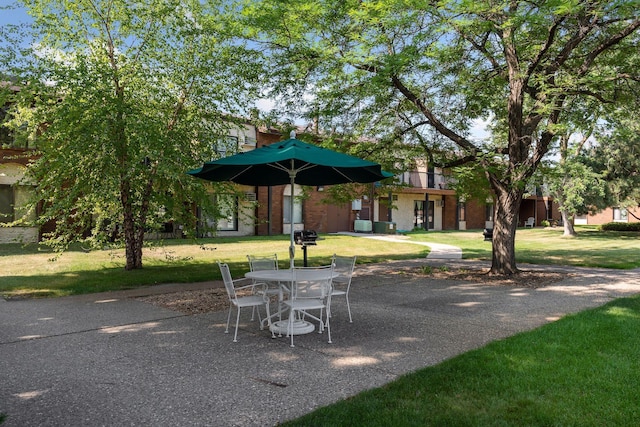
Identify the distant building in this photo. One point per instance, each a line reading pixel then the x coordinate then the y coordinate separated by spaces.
pixel 425 200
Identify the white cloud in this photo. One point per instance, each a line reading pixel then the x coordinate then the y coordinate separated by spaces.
pixel 478 130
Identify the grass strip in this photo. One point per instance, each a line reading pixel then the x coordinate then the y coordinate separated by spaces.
pixel 583 370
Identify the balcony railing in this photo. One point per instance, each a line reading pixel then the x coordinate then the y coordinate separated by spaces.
pixel 425 180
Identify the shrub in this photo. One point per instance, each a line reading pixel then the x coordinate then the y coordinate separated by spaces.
pixel 545 223
pixel 621 226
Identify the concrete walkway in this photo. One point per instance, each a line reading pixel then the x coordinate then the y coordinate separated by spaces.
pixel 438 250
pixel 109 359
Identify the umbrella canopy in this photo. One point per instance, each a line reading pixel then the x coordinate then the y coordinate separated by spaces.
pixel 275 164
pixel 291 162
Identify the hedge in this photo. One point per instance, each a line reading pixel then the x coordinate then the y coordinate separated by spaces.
pixel 621 226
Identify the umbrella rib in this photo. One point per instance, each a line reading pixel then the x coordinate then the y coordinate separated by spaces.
pixel 290 171
pixel 239 173
pixel 341 173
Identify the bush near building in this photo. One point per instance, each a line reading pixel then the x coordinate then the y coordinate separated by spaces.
pixel 621 226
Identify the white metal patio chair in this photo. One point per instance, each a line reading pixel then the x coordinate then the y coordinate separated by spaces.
pixel 344 266
pixel 253 300
pixel 261 264
pixel 311 295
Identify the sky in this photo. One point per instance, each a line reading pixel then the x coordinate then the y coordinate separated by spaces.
pixel 12 16
pixel 9 15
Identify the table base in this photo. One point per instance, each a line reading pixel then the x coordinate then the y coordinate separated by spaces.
pixel 300 327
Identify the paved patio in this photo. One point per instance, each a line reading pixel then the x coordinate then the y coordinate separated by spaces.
pixel 108 359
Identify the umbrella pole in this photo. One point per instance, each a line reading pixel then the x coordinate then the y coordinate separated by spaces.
pixel 292 248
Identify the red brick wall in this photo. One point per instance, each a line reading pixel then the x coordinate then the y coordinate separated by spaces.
pixel 262 193
pixel 607 216
pixel 476 214
pixel 16 155
pixel 450 212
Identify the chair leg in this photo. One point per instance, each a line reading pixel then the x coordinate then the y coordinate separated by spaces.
pixel 349 309
pixel 235 337
pixel 290 326
pixel 226 331
pixel 259 316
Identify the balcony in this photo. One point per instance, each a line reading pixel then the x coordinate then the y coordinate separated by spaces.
pixel 425 180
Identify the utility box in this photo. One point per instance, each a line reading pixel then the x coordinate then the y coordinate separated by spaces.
pixel 384 227
pixel 362 226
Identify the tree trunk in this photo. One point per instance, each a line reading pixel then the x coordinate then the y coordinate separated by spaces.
pixel 132 239
pixel 567 224
pixel 567 220
pixel 503 260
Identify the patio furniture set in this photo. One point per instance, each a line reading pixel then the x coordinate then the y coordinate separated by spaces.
pixel 302 294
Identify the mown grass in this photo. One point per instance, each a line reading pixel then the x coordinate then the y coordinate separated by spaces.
pixel 589 248
pixel 33 271
pixel 579 371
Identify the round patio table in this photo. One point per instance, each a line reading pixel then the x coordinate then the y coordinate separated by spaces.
pixel 289 277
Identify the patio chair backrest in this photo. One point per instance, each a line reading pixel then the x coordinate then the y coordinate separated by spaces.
pixel 228 281
pixel 263 263
pixel 344 266
pixel 312 288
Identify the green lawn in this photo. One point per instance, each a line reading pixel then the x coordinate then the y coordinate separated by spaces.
pixel 34 271
pixel 590 248
pixel 582 370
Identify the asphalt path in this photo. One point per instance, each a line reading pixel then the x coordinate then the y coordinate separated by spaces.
pixel 109 359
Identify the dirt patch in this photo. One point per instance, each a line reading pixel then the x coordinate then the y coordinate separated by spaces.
pixel 524 279
pixel 215 299
pixel 191 302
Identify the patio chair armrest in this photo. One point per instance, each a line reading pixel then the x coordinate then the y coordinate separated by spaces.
pixel 249 284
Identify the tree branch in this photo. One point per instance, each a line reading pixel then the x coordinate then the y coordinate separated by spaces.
pixel 553 30
pixel 606 44
pixel 431 118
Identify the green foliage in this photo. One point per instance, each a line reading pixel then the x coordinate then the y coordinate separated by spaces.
pixel 419 74
pixel 620 226
pixel 578 185
pixel 124 100
pixel 618 152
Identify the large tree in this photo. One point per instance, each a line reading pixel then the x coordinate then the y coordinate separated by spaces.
pixel 393 68
pixel 618 154
pixel 122 98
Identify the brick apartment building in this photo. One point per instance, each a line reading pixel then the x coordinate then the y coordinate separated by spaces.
pixel 425 202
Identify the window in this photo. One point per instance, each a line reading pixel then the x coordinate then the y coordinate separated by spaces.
pixel 227 206
pixel 462 211
pixel 620 215
pixel 7 203
pixel 418 213
pixel 297 205
pixel 489 211
pixel 228 144
pixel 226 218
pixel 297 210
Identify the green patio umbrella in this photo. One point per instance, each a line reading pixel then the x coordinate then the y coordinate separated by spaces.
pixel 291 162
